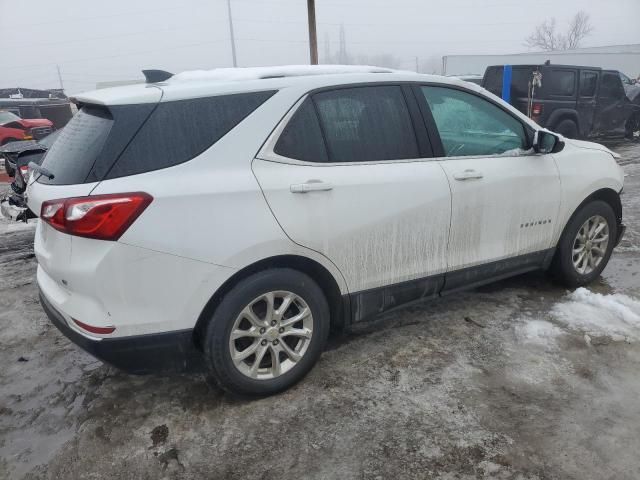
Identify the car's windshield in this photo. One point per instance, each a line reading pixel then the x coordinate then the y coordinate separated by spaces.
pixel 625 80
pixel 49 139
pixel 7 117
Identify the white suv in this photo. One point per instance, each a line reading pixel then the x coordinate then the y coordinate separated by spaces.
pixel 229 219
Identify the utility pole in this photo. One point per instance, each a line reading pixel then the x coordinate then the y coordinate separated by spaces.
pixel 417 65
pixel 327 48
pixel 342 55
pixel 233 39
pixel 60 78
pixel 313 38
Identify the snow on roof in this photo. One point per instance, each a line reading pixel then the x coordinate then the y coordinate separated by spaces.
pixel 256 73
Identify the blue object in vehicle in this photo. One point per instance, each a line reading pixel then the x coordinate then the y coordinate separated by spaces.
pixel 506 83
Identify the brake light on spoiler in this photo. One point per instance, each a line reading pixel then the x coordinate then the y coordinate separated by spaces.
pixel 103 217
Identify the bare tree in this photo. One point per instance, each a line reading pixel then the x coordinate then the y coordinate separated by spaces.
pixel 579 28
pixel 547 37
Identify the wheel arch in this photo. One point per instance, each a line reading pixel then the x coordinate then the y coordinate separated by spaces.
pixel 607 195
pixel 338 303
pixel 564 114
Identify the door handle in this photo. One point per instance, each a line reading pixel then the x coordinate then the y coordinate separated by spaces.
pixel 311 186
pixel 468 174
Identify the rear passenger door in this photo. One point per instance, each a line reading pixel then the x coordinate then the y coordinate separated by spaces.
pixel 347 175
pixel 587 100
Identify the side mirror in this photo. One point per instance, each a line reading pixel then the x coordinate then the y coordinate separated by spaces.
pixel 547 142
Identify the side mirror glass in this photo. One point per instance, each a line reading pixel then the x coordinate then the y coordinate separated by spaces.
pixel 546 142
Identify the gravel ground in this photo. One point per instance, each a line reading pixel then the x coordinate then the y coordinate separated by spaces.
pixel 517 380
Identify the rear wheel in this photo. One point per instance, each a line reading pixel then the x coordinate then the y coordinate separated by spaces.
pixel 586 245
pixel 567 128
pixel 267 332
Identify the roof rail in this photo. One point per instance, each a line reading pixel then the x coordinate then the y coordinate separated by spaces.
pixel 264 73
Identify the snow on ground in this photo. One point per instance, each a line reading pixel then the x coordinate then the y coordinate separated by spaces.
pixel 10 225
pixel 539 332
pixel 616 316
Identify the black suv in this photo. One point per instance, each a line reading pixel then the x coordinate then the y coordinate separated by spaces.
pixel 573 101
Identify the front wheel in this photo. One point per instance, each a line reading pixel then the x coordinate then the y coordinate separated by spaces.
pixel 267 333
pixel 586 245
pixel 633 128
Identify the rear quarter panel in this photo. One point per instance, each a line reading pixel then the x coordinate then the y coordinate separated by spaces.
pixel 211 208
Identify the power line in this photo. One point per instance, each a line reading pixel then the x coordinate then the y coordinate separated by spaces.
pixel 105 37
pixel 22 26
pixel 76 60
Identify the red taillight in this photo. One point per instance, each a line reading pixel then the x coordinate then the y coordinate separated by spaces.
pixel 24 169
pixel 536 109
pixel 92 329
pixel 104 217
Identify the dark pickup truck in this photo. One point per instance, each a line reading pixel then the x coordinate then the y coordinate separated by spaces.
pixel 577 102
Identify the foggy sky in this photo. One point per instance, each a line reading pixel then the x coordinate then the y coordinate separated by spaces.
pixel 95 41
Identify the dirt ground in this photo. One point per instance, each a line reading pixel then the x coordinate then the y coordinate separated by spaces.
pixel 517 380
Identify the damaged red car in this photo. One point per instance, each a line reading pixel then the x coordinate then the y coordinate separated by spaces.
pixel 13 128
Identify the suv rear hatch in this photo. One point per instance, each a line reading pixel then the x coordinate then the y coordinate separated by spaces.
pixel 521 77
pixel 117 133
pixel 80 157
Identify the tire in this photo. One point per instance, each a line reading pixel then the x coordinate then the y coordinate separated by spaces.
pixel 633 128
pixel 564 267
pixel 567 128
pixel 10 171
pixel 243 377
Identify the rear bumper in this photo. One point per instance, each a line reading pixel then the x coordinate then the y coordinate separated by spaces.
pixel 138 354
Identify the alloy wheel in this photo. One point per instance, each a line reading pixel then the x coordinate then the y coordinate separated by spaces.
pixel 590 245
pixel 271 335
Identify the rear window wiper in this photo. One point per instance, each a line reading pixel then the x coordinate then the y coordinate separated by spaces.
pixel 41 170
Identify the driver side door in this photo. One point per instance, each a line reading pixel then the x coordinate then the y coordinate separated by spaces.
pixel 505 198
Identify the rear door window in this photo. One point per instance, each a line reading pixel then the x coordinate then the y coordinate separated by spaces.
pixel 562 83
pixel 366 124
pixel 302 138
pixel 180 130
pixel 588 84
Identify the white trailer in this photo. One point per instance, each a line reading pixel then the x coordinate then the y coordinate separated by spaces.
pixel 625 58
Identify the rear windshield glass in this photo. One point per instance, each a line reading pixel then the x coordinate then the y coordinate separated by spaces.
pixel 8 117
pixel 72 156
pixel 520 78
pixel 100 143
pixel 49 139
